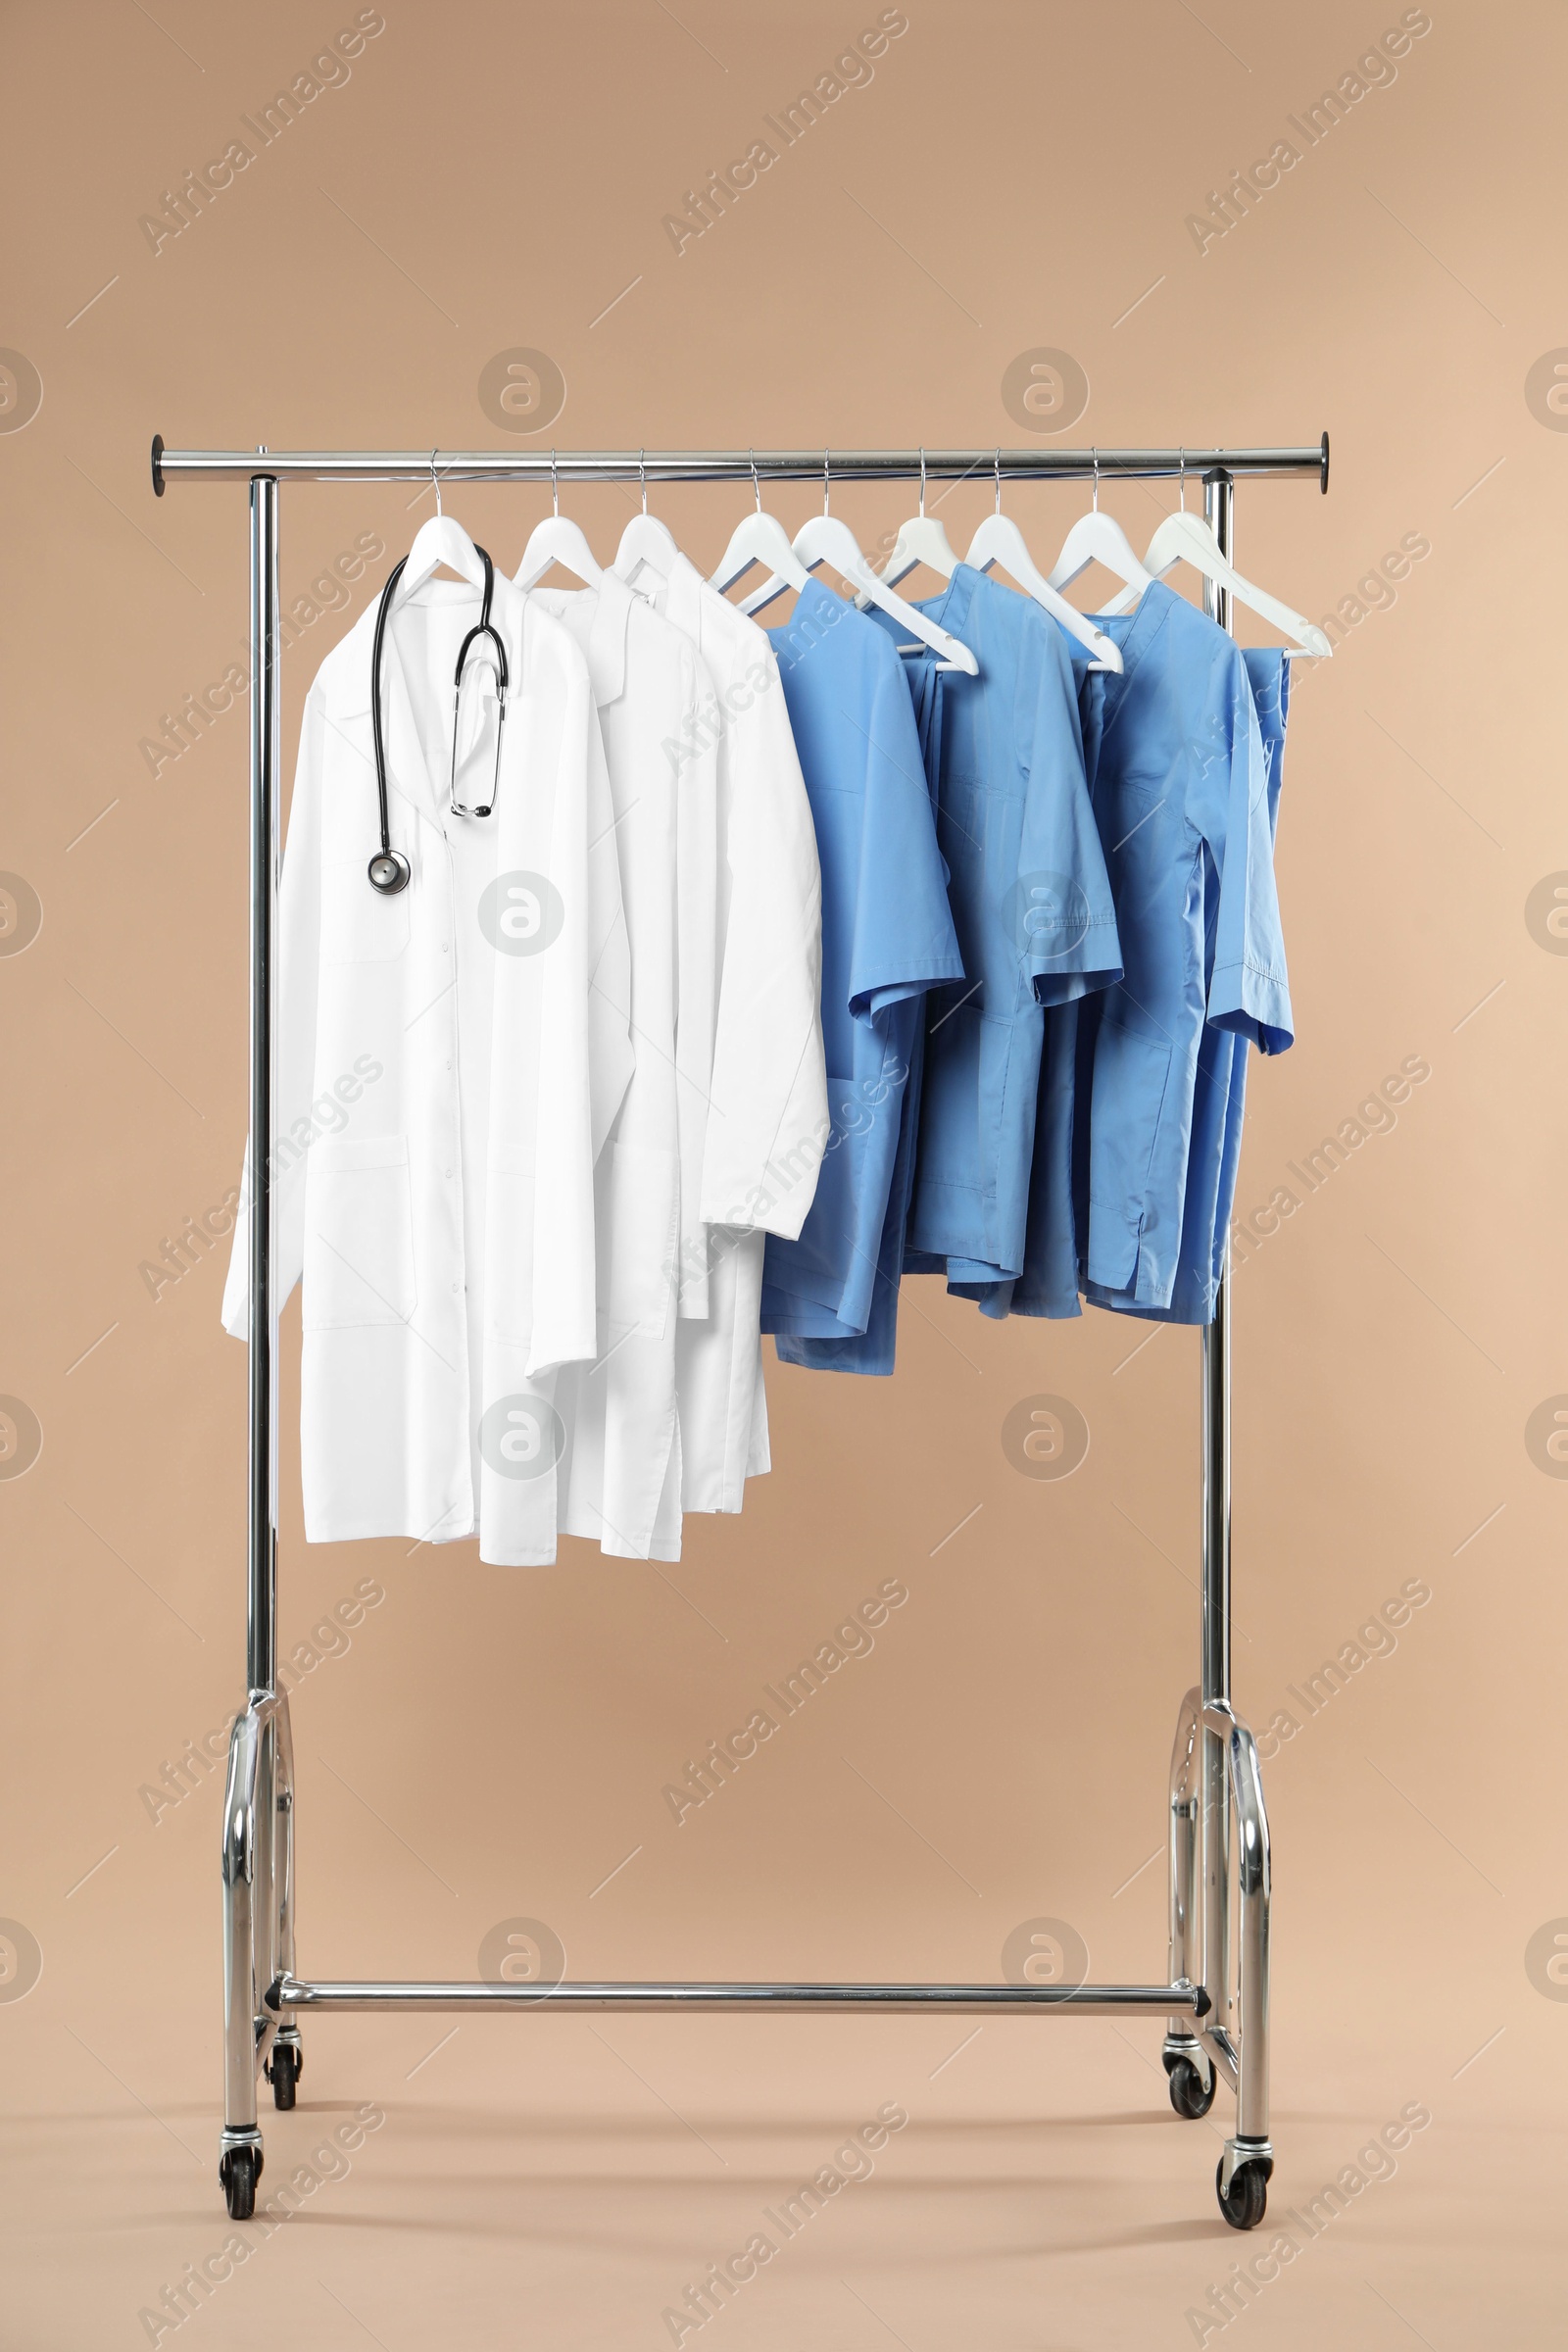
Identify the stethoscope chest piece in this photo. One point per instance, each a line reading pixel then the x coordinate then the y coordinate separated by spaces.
pixel 388 870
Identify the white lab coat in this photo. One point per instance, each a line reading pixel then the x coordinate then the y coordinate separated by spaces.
pixel 618 1413
pixel 449 1061
pixel 767 1122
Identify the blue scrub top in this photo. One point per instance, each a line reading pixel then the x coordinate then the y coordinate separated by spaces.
pixel 1180 797
pixel 1032 902
pixel 887 936
pixel 1048 1283
pixel 1219 1095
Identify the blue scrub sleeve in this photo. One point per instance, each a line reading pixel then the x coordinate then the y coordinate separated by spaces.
pixel 1063 914
pixel 905 942
pixel 1268 674
pixel 1249 990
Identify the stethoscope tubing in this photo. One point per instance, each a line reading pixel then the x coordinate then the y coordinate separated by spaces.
pixel 388 869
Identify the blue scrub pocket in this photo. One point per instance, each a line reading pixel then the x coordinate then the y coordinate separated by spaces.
pixel 1132 1075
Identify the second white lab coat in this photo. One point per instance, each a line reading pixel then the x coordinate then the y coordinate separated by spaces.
pixel 767 1122
pixel 449 1061
pixel 618 1413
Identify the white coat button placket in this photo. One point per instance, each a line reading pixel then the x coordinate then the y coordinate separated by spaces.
pixel 451 1167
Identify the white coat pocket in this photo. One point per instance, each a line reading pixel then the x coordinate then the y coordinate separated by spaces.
pixel 359 1234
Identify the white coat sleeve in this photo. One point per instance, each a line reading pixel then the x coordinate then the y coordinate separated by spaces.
pixel 611 1048
pixel 585 1051
pixel 299 962
pixel 697 973
pixel 767 1124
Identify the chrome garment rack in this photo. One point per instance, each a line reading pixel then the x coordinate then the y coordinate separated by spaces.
pixel 1215 1999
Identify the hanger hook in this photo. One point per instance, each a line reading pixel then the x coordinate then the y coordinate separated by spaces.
pixel 1095 453
pixel 998 462
pixel 642 475
pixel 435 482
pixel 1181 460
pixel 825 482
pixel 756 487
pixel 555 484
pixel 922 477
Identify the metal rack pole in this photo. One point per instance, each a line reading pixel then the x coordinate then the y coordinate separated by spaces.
pixel 656 466
pixel 253 1900
pixel 262 1541
pixel 1219 505
pixel 1238 2024
pixel 262 1991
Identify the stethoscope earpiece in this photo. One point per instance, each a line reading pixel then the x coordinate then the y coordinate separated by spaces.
pixel 389 871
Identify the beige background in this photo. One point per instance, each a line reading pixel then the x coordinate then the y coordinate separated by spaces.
pixel 493 1744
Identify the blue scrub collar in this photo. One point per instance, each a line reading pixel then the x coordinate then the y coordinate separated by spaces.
pixel 951 609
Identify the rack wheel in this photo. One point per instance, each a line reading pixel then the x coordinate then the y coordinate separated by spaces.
pixel 1190 2095
pixel 1245 2206
pixel 240 2169
pixel 283 2070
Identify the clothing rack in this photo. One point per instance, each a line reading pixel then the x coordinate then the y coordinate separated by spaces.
pixel 1218 2021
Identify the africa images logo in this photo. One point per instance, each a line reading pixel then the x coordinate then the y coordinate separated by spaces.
pixel 1045 1436
pixel 522 913
pixel 522 1436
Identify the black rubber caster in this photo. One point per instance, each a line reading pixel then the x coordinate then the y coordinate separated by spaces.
pixel 283 2070
pixel 240 2169
pixel 1190 2095
pixel 1245 2206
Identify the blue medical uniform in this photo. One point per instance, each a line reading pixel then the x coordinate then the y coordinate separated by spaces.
pixel 1269 673
pixel 1032 902
pixel 1220 1094
pixel 887 936
pixel 873 1350
pixel 1049 1283
pixel 1181 792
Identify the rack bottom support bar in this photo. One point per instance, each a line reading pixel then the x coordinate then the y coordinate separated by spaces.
pixel 958 2000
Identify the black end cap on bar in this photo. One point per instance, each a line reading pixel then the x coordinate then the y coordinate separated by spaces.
pixel 1202 2004
pixel 1323 476
pixel 158 464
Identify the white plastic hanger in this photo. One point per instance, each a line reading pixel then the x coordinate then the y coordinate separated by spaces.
pixel 557 540
pixel 1188 538
pixel 440 539
pixel 1097 538
pixel 998 540
pixel 920 540
pixel 645 540
pixel 760 538
pixel 825 539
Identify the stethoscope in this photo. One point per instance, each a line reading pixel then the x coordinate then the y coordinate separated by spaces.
pixel 389 869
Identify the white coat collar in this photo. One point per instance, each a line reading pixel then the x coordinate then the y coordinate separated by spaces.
pixel 346 671
pixel 606 640
pixel 678 596
pixel 417 740
pixel 604 649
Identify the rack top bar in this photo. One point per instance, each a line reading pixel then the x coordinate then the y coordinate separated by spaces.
pixel 655 466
